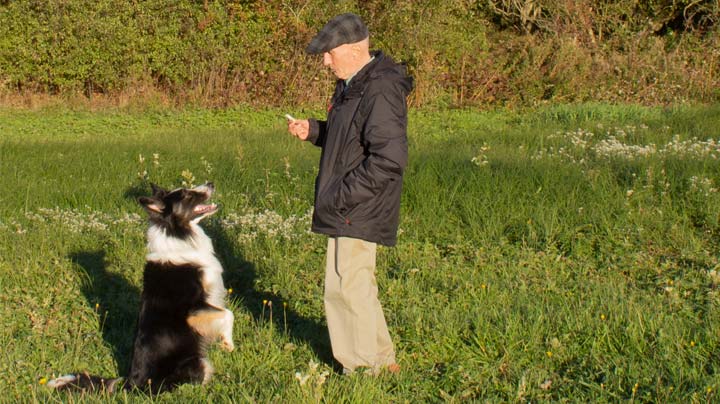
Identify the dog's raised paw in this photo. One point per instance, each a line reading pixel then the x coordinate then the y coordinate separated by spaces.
pixel 227 345
pixel 61 381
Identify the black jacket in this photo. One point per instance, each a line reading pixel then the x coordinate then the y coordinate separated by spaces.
pixel 364 154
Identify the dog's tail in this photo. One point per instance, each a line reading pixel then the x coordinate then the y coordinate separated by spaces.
pixel 86 382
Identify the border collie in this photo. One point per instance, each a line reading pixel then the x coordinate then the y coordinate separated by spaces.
pixel 182 307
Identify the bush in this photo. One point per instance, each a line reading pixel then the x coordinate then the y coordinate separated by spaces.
pixel 461 53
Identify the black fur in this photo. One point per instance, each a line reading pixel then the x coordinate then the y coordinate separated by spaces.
pixel 168 349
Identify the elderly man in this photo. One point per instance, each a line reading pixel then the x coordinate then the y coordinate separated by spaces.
pixel 357 190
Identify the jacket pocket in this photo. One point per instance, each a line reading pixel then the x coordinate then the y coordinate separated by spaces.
pixel 327 197
pixel 373 208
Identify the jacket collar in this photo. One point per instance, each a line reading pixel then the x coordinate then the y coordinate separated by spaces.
pixel 349 79
pixel 357 84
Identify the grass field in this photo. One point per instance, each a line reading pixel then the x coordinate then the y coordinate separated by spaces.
pixel 568 253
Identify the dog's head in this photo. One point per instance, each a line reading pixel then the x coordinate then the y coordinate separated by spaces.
pixel 177 210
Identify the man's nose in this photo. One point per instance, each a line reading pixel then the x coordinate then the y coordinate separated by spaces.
pixel 326 59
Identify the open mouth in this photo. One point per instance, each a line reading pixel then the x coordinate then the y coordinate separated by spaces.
pixel 205 209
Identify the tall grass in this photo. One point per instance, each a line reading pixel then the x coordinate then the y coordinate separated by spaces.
pixel 538 258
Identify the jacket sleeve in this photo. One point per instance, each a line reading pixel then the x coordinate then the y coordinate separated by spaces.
pixel 385 135
pixel 317 132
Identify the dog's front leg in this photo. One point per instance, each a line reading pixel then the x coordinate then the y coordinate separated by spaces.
pixel 214 323
pixel 226 337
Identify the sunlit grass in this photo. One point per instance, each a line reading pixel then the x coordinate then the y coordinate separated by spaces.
pixel 535 261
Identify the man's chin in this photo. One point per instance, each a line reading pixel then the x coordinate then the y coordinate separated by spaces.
pixel 337 75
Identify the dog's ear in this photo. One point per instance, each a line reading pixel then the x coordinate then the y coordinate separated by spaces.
pixel 157 190
pixel 152 205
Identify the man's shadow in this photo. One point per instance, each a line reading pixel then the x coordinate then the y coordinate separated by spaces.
pixel 241 275
pixel 117 302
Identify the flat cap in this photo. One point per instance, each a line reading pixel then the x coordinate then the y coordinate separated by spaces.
pixel 342 29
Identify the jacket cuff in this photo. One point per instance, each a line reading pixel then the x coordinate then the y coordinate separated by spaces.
pixel 314 131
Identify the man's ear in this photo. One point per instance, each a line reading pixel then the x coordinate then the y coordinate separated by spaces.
pixel 152 205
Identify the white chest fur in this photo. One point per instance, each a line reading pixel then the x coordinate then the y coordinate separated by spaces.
pixel 195 250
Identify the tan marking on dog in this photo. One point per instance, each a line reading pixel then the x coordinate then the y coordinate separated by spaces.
pixel 202 322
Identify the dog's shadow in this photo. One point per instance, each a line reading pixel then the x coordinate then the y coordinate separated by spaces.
pixel 241 275
pixel 117 302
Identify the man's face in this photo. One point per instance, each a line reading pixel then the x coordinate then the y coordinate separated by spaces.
pixel 341 61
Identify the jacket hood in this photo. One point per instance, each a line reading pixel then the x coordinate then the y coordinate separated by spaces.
pixel 385 68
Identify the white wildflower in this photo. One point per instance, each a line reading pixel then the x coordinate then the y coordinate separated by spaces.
pixel 615 145
pixel 302 378
pixel 286 160
pixel 481 159
pixel 269 224
pixel 206 164
pixel 702 185
pixel 77 221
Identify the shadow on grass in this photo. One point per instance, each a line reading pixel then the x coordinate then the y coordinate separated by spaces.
pixel 117 302
pixel 240 275
pixel 137 190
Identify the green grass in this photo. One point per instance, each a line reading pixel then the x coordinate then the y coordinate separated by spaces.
pixel 534 261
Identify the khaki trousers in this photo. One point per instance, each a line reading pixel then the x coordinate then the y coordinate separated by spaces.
pixel 358 332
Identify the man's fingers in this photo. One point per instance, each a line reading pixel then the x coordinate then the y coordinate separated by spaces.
pixel 292 128
pixel 298 128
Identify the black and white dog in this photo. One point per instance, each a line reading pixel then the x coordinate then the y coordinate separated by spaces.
pixel 182 307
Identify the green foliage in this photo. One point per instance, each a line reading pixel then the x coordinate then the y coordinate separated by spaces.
pixel 563 253
pixel 221 53
pixel 441 41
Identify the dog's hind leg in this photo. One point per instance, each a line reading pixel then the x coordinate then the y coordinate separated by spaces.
pixel 214 323
pixel 192 370
pixel 84 382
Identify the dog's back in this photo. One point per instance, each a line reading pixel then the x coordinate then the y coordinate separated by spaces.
pixel 167 350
